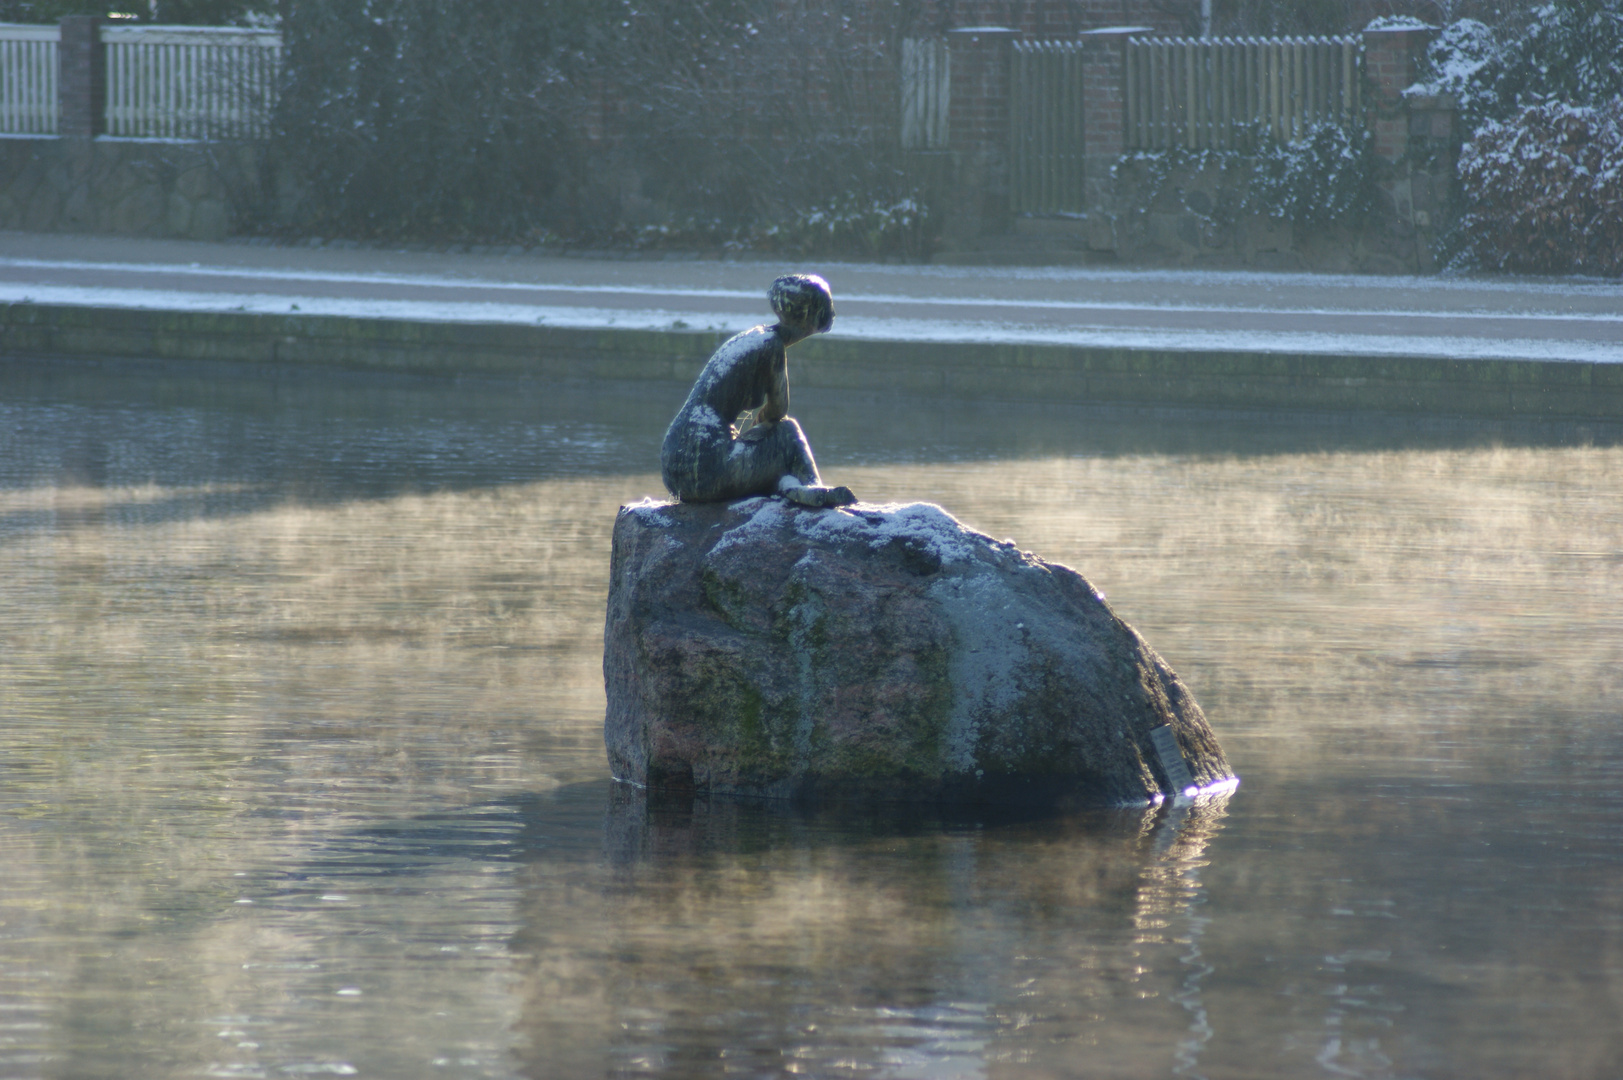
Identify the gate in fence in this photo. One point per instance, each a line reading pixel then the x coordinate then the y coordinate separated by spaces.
pixel 162 82
pixel 926 82
pixel 1045 128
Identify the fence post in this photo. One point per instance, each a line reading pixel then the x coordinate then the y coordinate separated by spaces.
pixel 978 128
pixel 1409 195
pixel 1104 124
pixel 82 78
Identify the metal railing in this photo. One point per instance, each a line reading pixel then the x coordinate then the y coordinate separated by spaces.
pixel 1045 127
pixel 28 73
pixel 172 82
pixel 1233 93
pixel 926 93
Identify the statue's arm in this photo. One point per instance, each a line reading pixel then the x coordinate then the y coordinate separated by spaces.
pixel 777 388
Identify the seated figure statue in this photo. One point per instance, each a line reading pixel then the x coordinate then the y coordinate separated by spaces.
pixel 707 458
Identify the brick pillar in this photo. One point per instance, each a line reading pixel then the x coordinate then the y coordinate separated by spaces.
pixel 978 127
pixel 1104 125
pixel 82 78
pixel 1407 197
pixel 1391 65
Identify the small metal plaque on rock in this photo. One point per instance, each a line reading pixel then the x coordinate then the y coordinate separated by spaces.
pixel 1172 763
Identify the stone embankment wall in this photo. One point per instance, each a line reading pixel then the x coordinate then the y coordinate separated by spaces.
pixel 975 371
pixel 174 190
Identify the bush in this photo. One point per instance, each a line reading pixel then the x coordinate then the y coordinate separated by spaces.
pixel 1324 178
pixel 1539 178
pixel 573 119
pixel 416 118
pixel 1544 192
pixel 1454 65
pixel 1569 51
pixel 850 225
pixel 854 225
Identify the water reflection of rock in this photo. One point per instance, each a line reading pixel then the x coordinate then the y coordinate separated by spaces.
pixel 728 934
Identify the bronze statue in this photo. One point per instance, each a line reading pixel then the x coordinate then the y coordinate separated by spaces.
pixel 713 452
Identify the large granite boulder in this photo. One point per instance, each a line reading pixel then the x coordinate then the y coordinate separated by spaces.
pixel 878 652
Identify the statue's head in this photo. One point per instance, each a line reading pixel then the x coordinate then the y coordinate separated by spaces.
pixel 803 303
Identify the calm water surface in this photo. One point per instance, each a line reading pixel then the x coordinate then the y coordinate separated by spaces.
pixel 301 769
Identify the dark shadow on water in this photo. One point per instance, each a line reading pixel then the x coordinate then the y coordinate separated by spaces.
pixel 601 820
pixel 274 434
pixel 639 826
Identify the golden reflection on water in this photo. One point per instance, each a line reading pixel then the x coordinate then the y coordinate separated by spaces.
pixel 271 771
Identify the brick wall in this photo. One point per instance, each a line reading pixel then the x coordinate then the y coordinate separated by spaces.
pixel 1104 98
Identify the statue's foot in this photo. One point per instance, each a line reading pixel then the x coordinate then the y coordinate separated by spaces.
pixel 819 497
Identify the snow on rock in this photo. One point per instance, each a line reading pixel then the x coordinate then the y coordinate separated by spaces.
pixel 875 652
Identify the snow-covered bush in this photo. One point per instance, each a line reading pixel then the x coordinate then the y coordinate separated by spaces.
pixel 1454 63
pixel 855 225
pixel 1570 50
pixel 1539 177
pixel 1544 192
pixel 1324 178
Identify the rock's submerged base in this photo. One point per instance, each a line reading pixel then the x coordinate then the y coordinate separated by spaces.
pixel 876 652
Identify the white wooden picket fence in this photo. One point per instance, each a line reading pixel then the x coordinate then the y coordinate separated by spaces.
pixel 28 68
pixel 163 82
pixel 1235 93
pixel 172 82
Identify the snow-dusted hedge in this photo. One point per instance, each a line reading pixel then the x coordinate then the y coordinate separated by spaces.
pixel 1325 178
pixel 1545 192
pixel 1322 179
pixel 1455 64
pixel 1570 50
pixel 583 120
pixel 847 225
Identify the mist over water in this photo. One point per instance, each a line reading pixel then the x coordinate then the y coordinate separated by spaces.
pixel 301 764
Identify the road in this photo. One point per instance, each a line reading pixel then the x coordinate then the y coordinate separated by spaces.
pixel 1161 309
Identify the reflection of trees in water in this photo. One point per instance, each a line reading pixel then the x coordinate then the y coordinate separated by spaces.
pixel 732 934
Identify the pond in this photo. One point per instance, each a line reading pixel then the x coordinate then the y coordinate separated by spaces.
pixel 301 763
